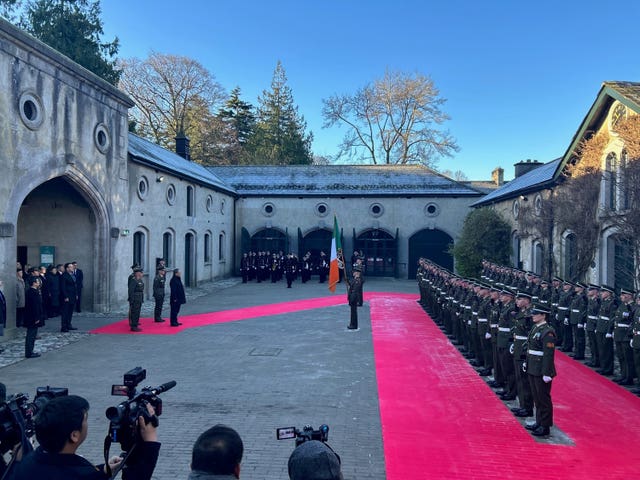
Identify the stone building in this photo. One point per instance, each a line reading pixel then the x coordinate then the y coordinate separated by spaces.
pixel 394 214
pixel 554 250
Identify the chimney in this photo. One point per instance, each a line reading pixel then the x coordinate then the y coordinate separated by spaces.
pixel 497 176
pixel 182 146
pixel 525 166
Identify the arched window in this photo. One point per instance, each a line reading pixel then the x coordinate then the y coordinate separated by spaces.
pixel 515 250
pixel 570 257
pixel 190 201
pixel 167 248
pixel 207 247
pixel 140 249
pixel 625 188
pixel 611 182
pixel 537 258
pixel 221 249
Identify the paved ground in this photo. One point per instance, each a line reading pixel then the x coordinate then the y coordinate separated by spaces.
pixel 254 375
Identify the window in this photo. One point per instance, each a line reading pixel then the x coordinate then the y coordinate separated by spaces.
pixel 171 194
pixel 143 187
pixel 167 248
pixel 31 110
pixel 209 203
pixel 139 249
pixel 268 209
pixel 537 258
pixel 515 250
pixel 625 189
pixel 207 248
pixel 431 210
pixel 190 202
pixel 101 138
pixel 322 209
pixel 570 257
pixel 221 249
pixel 611 182
pixel 376 210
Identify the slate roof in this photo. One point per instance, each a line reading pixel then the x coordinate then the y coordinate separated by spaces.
pixel 148 153
pixel 340 180
pixel 629 90
pixel 536 179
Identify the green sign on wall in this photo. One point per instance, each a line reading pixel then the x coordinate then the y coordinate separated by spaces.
pixel 47 255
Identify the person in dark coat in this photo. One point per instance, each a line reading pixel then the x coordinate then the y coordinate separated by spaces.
pixel 53 282
pixel 69 296
pixel 21 290
pixel 136 298
pixel 158 293
pixel 354 294
pixel 33 316
pixel 3 308
pixel 178 296
pixel 79 276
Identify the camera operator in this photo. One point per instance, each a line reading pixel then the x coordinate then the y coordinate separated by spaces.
pixel 314 460
pixel 61 427
pixel 217 454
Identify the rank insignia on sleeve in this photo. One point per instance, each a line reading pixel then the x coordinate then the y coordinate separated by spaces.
pixel 551 345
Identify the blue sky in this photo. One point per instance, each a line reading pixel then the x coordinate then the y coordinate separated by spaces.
pixel 518 77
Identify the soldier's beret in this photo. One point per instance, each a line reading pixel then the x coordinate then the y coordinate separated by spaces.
pixel 540 310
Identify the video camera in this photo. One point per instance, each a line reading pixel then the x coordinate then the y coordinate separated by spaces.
pixel 301 436
pixel 123 417
pixel 17 414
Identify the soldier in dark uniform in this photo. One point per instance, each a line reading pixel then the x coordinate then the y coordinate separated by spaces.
pixel 622 324
pixel 483 333
pixel 577 319
pixel 323 267
pixel 593 308
pixel 564 309
pixel 505 347
pixel 541 370
pixel 136 297
pixel 604 329
pixel 291 268
pixel 354 290
pixel 498 377
pixel 158 293
pixel 634 342
pixel 245 267
pixel 556 287
pixel 522 327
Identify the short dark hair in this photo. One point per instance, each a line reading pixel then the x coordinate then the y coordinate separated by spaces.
pixel 217 451
pixel 58 419
pixel 66 265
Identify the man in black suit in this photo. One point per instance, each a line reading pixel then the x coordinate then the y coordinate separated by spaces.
pixel 69 297
pixel 79 276
pixel 33 316
pixel 178 297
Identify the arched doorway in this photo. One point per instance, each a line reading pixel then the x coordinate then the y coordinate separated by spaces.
pixel 431 244
pixel 56 225
pixel 619 271
pixel 189 276
pixel 269 239
pixel 317 241
pixel 380 250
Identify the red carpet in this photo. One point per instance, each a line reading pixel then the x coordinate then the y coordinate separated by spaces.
pixel 192 321
pixel 441 421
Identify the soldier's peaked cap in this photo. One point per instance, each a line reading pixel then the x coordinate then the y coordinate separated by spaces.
pixel 607 288
pixel 540 310
pixel 593 286
pixel 627 291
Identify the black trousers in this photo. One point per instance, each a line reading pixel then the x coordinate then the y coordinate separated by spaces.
pixel 79 300
pixel 506 362
pixel 175 309
pixel 579 335
pixel 67 313
pixel 525 397
pixel 605 348
pixel 134 313
pixel 157 311
pixel 497 367
pixel 593 346
pixel 354 316
pixel 30 340
pixel 541 392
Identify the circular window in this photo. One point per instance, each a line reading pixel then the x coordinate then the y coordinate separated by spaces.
pixel 322 209
pixel 222 205
pixel 268 209
pixel 537 205
pixel 101 138
pixel 376 210
pixel 516 209
pixel 171 194
pixel 431 210
pixel 31 110
pixel 209 204
pixel 143 187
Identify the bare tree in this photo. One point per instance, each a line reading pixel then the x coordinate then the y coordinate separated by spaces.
pixel 173 94
pixel 395 119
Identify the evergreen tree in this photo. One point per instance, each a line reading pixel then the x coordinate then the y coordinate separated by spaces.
pixel 280 137
pixel 74 28
pixel 238 116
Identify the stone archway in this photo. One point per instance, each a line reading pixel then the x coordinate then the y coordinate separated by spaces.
pixel 430 244
pixel 67 214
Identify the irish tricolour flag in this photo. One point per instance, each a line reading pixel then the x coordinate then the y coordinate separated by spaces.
pixel 336 249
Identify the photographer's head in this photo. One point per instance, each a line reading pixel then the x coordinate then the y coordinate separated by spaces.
pixel 314 460
pixel 61 425
pixel 218 451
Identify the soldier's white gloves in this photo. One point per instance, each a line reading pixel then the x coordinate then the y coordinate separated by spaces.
pixel 608 335
pixel 546 379
pixel 566 321
pixel 487 335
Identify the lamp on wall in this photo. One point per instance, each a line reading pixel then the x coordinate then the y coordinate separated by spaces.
pixel 160 179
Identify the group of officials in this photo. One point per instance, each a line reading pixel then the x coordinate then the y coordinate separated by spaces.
pixel 509 323
pixel 177 296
